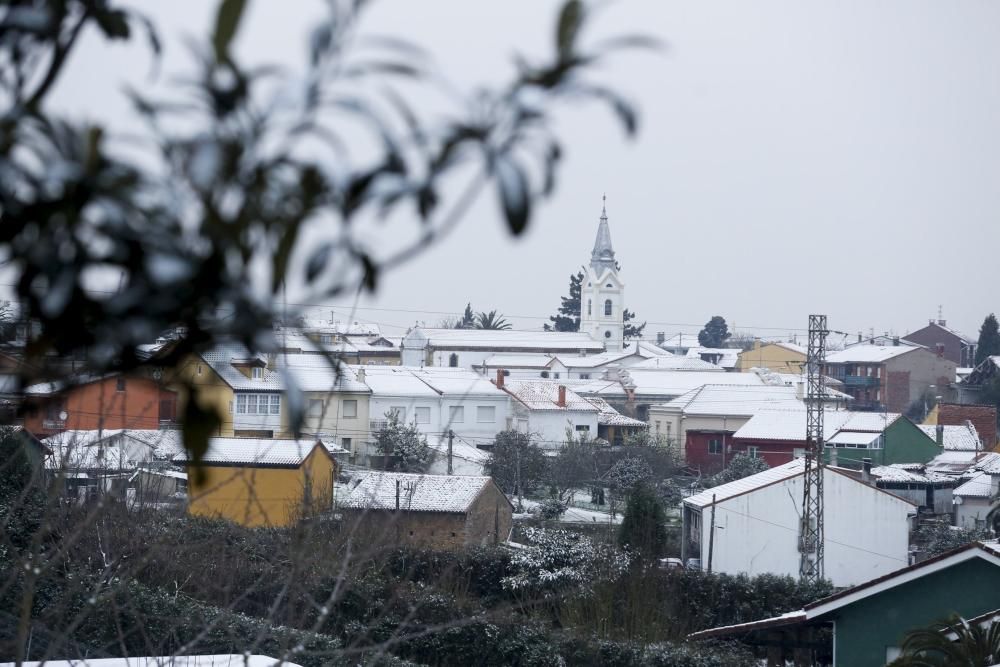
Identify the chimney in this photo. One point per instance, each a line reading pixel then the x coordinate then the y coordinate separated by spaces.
pixel 800 391
pixel 859 337
pixel 562 396
pixel 939 435
pixel 866 470
pixel 661 337
pixel 361 375
pixel 895 341
pixel 942 322
pixel 499 381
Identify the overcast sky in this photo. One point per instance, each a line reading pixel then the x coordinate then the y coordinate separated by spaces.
pixel 838 158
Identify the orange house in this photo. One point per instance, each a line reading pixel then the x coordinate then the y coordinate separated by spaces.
pixel 109 402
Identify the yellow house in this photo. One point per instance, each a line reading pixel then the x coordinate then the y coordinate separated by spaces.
pixel 248 393
pixel 258 482
pixel 778 357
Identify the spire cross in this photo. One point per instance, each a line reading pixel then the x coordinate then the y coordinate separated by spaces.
pixel 604 205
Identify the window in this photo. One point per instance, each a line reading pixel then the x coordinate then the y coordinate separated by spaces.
pixel 545 374
pixel 120 385
pixel 798 452
pixel 326 339
pixel 256 372
pixel 584 376
pixel 315 409
pixel 258 404
pixel 350 408
pixel 607 306
pixel 345 443
pixel 657 427
pixel 754 452
pixel 456 414
pixel 714 446
pixel 486 414
pixel 589 306
pixel 199 369
pixel 556 376
pixel 453 360
pixel 583 428
pixel 399 411
pixel 422 415
pixel 610 285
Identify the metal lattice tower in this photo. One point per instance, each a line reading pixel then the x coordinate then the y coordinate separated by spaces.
pixel 811 530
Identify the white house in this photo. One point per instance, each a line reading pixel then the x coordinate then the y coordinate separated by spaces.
pixel 549 411
pixel 469 348
pixel 438 400
pixel 757 526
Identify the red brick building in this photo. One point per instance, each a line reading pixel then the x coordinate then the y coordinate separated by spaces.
pixel 110 402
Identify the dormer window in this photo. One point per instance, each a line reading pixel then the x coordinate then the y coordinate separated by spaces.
pixel 256 372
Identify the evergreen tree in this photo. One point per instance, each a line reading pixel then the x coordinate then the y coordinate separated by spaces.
pixel 715 333
pixel 516 464
pixel 989 339
pixel 631 330
pixel 568 317
pixel 643 525
pixel 404 443
pixel 468 320
pixel 742 465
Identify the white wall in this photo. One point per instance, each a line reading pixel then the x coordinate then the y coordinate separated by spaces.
pixel 548 427
pixel 867 531
pixel 470 428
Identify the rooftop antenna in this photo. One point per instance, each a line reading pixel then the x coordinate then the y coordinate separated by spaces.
pixel 811 530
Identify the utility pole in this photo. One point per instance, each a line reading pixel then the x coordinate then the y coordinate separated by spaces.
pixel 811 530
pixel 451 438
pixel 711 535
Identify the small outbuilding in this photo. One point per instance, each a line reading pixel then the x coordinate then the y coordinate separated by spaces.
pixel 258 482
pixel 437 511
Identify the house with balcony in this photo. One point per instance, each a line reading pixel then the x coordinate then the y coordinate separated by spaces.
pixel 890 377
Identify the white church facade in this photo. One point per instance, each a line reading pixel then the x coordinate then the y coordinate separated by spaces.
pixel 602 293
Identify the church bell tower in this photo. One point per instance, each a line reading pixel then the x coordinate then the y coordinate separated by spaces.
pixel 602 293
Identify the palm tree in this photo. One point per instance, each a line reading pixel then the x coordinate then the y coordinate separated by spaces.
pixel 491 320
pixel 951 643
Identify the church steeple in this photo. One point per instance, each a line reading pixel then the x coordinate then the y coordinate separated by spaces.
pixel 603 255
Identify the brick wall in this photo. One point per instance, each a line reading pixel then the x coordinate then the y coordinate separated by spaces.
pixel 489 519
pixel 897 393
pixel 983 417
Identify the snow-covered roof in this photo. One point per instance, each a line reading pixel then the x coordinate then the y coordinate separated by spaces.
pixel 646 349
pixel 791 424
pixel 104 457
pixel 315 373
pixel 505 339
pixel 255 452
pixel 943 327
pixel 680 340
pixel 853 438
pixel 460 450
pixel 430 381
pixel 221 358
pixel 713 399
pixel 608 416
pixel 750 483
pixel 544 395
pixel 676 363
pixel 163 444
pixel 898 473
pixel 869 354
pixel 979 485
pixel 417 493
pixel 961 437
pixel 953 462
pixel 538 360
pixel 654 383
pixel 332 326
pixel 727 356
pixel 593 360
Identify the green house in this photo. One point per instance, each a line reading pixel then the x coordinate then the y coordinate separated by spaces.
pixel 883 438
pixel 864 626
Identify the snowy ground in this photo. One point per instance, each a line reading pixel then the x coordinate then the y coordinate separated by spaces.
pixel 577 515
